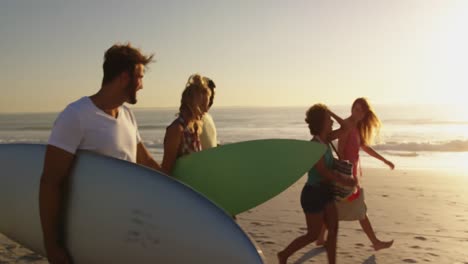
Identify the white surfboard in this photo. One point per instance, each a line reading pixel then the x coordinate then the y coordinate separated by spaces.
pixel 119 212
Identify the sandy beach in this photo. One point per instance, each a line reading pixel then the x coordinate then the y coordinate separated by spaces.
pixel 425 212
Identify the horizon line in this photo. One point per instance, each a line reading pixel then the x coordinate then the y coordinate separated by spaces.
pixel 143 108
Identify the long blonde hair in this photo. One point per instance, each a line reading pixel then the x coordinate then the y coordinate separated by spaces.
pixel 369 126
pixel 196 86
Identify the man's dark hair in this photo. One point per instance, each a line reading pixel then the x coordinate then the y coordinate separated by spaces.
pixel 212 86
pixel 122 58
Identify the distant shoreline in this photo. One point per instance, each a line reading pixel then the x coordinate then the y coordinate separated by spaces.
pixel 341 106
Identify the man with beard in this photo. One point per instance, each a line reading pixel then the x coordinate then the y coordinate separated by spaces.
pixel 100 123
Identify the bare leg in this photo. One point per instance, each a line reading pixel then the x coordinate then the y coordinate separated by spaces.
pixel 321 238
pixel 376 243
pixel 314 224
pixel 331 220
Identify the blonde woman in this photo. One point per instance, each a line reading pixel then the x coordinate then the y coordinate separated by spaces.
pixel 183 134
pixel 363 126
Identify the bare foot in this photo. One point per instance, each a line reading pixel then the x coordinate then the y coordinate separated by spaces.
pixel 281 258
pixel 382 244
pixel 321 243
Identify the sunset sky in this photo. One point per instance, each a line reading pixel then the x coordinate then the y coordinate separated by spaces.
pixel 259 53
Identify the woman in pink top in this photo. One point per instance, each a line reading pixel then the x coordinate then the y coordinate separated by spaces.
pixel 363 125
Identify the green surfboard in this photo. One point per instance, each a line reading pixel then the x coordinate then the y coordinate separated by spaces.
pixel 242 175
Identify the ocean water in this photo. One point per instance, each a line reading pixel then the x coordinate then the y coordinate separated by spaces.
pixel 411 136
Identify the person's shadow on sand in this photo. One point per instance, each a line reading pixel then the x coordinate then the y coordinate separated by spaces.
pixel 370 260
pixel 312 253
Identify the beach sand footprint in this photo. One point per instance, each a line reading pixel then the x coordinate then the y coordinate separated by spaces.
pixel 420 238
pixel 410 260
pixel 267 242
pixel 260 224
pixel 259 236
pixel 11 247
pixel 30 257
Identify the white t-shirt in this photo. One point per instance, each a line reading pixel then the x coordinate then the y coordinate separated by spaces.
pixel 84 126
pixel 208 136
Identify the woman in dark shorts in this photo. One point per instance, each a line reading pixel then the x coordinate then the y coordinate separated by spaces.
pixel 317 198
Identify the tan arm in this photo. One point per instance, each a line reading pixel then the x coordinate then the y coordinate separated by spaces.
pixel 57 166
pixel 325 172
pixel 376 155
pixel 172 141
pixel 145 158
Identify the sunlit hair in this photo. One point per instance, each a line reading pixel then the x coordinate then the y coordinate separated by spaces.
pixel 369 126
pixel 122 58
pixel 195 88
pixel 209 83
pixel 315 117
